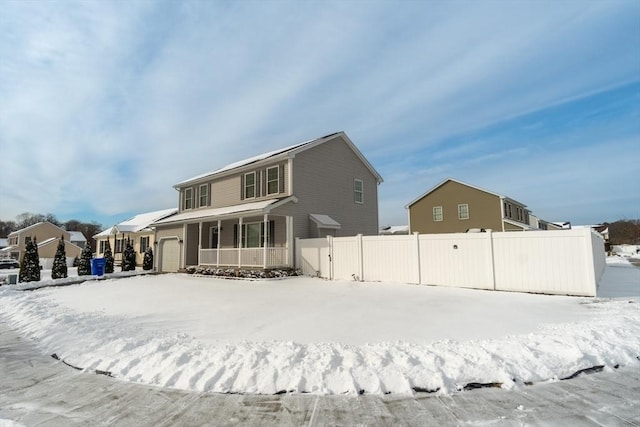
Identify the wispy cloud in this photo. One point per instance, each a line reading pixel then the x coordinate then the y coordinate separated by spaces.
pixel 105 105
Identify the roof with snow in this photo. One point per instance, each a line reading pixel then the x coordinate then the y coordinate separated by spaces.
pixel 395 229
pixel 77 236
pixel 264 206
pixel 283 153
pixel 325 221
pixel 137 223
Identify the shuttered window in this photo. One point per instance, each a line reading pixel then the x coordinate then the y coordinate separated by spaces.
pixel 250 185
pixel 273 179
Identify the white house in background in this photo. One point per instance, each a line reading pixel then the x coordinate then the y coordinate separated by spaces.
pixel 136 229
pixel 77 238
pixel 248 213
pixel 394 230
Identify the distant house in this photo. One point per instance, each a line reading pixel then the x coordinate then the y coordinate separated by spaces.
pixel 46 235
pixel 78 239
pixel 248 213
pixel 453 206
pixel 137 230
pixel 394 230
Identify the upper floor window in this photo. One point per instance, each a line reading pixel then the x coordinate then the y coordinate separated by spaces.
pixel 204 195
pixel 249 185
pixel 437 213
pixel 358 191
pixel 188 198
pixel 273 180
pixel 463 211
pixel 27 239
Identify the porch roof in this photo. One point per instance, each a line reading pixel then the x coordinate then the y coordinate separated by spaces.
pixel 244 209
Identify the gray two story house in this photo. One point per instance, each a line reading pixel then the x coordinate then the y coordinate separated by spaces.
pixel 249 213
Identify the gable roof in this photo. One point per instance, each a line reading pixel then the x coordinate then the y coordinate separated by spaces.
pixel 465 184
pixel 283 153
pixel 138 222
pixel 37 224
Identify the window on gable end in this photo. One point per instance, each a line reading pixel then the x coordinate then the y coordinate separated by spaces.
pixel 437 213
pixel 463 211
pixel 358 191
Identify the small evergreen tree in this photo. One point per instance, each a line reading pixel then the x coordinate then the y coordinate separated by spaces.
pixel 147 262
pixel 59 270
pixel 30 265
pixel 108 258
pixel 129 257
pixel 84 264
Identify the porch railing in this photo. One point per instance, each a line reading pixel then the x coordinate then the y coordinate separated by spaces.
pixel 249 257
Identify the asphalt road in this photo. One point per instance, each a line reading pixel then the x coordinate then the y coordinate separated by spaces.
pixel 36 390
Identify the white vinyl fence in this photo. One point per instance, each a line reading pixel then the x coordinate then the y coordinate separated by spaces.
pixel 566 262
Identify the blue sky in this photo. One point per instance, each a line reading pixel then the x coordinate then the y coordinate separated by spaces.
pixel 105 105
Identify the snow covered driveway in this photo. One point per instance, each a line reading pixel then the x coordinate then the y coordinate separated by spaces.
pixel 311 335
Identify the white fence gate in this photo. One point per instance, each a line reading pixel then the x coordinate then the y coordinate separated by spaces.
pixel 567 262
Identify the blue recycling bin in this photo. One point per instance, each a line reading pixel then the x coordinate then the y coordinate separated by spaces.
pixel 97 266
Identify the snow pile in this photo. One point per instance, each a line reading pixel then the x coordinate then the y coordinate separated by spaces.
pixel 314 336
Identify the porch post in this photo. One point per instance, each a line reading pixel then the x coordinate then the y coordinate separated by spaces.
pixel 265 240
pixel 240 242
pixel 218 244
pixel 289 224
pixel 199 241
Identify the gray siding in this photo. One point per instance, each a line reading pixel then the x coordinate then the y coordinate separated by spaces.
pixel 323 179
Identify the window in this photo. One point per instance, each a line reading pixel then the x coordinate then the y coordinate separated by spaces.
pixel 27 239
pixel 358 191
pixel 188 198
pixel 249 185
pixel 253 235
pixel 273 181
pixel 102 246
pixel 463 211
pixel 204 195
pixel 144 243
pixel 437 213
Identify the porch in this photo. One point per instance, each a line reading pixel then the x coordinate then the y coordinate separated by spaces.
pixel 255 242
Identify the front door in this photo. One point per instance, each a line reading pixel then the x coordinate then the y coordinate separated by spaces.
pixel 213 237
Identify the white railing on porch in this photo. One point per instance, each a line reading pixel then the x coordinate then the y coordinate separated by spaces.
pixel 249 257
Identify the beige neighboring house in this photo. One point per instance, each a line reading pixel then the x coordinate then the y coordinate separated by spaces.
pixel 453 206
pixel 136 229
pixel 248 214
pixel 46 236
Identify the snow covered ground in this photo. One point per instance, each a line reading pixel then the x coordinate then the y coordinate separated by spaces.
pixel 310 335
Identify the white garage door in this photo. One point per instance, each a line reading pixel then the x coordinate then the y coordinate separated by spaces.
pixel 170 258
